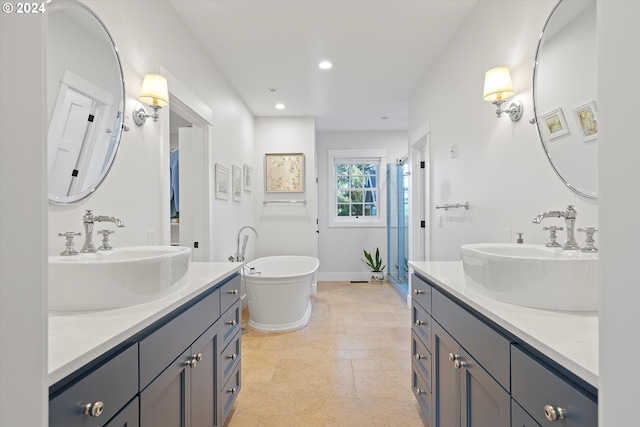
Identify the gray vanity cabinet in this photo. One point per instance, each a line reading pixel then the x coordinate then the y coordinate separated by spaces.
pixel 481 376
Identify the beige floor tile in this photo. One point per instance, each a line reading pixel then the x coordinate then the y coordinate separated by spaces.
pixel 349 367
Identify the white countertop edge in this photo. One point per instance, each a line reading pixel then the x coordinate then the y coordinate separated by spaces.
pixel 581 358
pixel 77 338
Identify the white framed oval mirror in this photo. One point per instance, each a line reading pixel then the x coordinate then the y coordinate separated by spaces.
pixel 85 101
pixel 564 94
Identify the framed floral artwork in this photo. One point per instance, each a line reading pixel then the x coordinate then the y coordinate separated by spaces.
pixel 284 173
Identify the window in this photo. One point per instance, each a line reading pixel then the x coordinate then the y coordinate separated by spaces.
pixel 355 189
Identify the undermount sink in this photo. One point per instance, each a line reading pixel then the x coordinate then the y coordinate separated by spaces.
pixel 533 275
pixel 117 278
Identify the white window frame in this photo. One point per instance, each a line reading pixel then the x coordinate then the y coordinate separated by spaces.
pixel 357 156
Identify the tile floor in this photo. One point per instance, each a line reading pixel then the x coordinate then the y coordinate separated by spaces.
pixel 349 367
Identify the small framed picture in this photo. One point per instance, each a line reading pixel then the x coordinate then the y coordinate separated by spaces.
pixel 222 182
pixel 587 120
pixel 553 124
pixel 248 178
pixel 236 179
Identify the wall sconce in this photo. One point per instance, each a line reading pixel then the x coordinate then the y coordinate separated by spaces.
pixel 497 88
pixel 154 92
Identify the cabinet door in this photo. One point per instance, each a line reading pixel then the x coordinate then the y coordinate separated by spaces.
pixel 203 379
pixel 128 417
pixel 164 402
pixel 484 402
pixel 446 379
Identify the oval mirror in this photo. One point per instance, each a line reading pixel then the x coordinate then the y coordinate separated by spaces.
pixel 564 94
pixel 85 101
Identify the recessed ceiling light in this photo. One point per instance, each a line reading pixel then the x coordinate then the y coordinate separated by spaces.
pixel 384 118
pixel 272 89
pixel 325 65
pixel 280 106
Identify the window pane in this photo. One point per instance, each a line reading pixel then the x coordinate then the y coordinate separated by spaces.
pixel 370 196
pixel 357 182
pixel 343 210
pixel 357 196
pixel 342 169
pixel 343 197
pixel 357 170
pixel 370 169
pixel 356 210
pixel 369 209
pixel 343 182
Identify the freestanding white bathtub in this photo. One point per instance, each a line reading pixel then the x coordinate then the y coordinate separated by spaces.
pixel 279 290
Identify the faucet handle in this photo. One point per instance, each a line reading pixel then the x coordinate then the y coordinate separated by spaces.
pixel 69 243
pixel 105 240
pixel 589 241
pixel 552 235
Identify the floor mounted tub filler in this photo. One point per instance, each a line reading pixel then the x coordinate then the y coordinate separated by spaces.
pixel 279 291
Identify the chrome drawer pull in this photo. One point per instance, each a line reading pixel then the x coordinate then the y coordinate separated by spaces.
pixel 231 323
pixel 459 364
pixel 233 390
pixel 233 292
pixel 420 356
pixel 453 357
pixel 420 391
pixel 232 357
pixel 93 409
pixel 554 414
pixel 420 322
pixel 193 361
pixel 418 291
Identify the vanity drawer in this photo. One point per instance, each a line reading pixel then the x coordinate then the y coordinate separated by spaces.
pixel 228 359
pixel 421 358
pixel 421 392
pixel 421 292
pixel 229 324
pixel 227 395
pixel 421 324
pixel 229 293
pixel 159 349
pixel 482 342
pixel 112 385
pixel 534 387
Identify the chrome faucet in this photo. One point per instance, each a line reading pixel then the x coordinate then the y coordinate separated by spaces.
pixel 88 219
pixel 239 256
pixel 570 220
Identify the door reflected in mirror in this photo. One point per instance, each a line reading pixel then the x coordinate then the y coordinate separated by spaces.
pixel 85 92
pixel 564 94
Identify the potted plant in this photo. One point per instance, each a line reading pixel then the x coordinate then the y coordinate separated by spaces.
pixel 377 273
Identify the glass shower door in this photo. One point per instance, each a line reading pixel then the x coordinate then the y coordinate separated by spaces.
pixel 398 225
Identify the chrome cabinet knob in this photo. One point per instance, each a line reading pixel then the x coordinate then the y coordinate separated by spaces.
pixel 420 322
pixel 231 323
pixel 193 360
pixel 554 414
pixel 419 356
pixel 453 357
pixel 459 364
pixel 419 391
pixel 233 292
pixel 93 409
pixel 418 291
pixel 232 357
pixel 233 390
pixel 198 357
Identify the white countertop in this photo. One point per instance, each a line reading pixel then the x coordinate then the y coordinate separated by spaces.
pixel 76 338
pixel 568 338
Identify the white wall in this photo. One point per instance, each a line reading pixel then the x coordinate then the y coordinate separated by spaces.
pixel 23 231
pixel 285 229
pixel 340 248
pixel 501 168
pixel 134 189
pixel 619 234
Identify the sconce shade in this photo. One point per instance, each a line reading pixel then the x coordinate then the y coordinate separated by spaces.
pixel 154 90
pixel 497 84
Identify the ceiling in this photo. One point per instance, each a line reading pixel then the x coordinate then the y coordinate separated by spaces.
pixel 269 52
